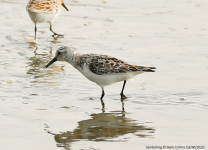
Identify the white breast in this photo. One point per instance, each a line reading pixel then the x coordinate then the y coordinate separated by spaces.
pixel 107 79
pixel 40 17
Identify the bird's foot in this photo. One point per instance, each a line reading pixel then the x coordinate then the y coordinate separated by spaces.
pixel 123 97
pixel 58 34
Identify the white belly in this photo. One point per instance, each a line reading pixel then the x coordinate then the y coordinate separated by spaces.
pixel 41 17
pixel 107 79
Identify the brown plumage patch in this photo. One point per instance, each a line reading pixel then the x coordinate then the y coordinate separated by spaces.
pixel 44 5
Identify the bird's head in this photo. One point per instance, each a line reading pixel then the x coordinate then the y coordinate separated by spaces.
pixel 64 53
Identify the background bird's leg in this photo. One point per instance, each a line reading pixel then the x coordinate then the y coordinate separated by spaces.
pixel 53 31
pixel 122 95
pixel 35 31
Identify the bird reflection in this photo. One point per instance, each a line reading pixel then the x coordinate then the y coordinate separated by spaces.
pixel 103 127
pixel 36 68
pixel 122 102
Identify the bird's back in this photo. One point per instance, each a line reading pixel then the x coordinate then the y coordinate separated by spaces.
pixel 44 5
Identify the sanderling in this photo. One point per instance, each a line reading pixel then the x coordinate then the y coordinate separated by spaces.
pixel 101 69
pixel 44 11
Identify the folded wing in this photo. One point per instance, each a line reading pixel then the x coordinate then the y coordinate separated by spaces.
pixel 103 64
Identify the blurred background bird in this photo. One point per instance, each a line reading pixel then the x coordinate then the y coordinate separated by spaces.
pixel 45 11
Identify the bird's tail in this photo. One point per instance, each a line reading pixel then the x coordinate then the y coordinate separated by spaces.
pixel 149 69
pixel 134 68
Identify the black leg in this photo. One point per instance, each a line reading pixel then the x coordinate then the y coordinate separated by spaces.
pixel 122 95
pixel 103 94
pixel 54 32
pixel 51 29
pixel 35 31
pixel 101 99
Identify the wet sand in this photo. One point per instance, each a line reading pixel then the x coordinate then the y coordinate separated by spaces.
pixel 58 108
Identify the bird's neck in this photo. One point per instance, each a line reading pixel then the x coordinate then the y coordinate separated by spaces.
pixel 73 59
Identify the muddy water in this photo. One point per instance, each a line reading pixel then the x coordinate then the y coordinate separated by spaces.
pixel 58 107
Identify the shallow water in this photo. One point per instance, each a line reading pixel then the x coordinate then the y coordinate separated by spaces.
pixel 58 107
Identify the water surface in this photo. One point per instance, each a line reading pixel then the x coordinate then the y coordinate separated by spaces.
pixel 58 108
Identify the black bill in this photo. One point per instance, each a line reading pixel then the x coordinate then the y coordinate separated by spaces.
pixel 52 61
pixel 64 6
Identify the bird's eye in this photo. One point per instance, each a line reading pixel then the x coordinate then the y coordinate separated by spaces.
pixel 59 52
